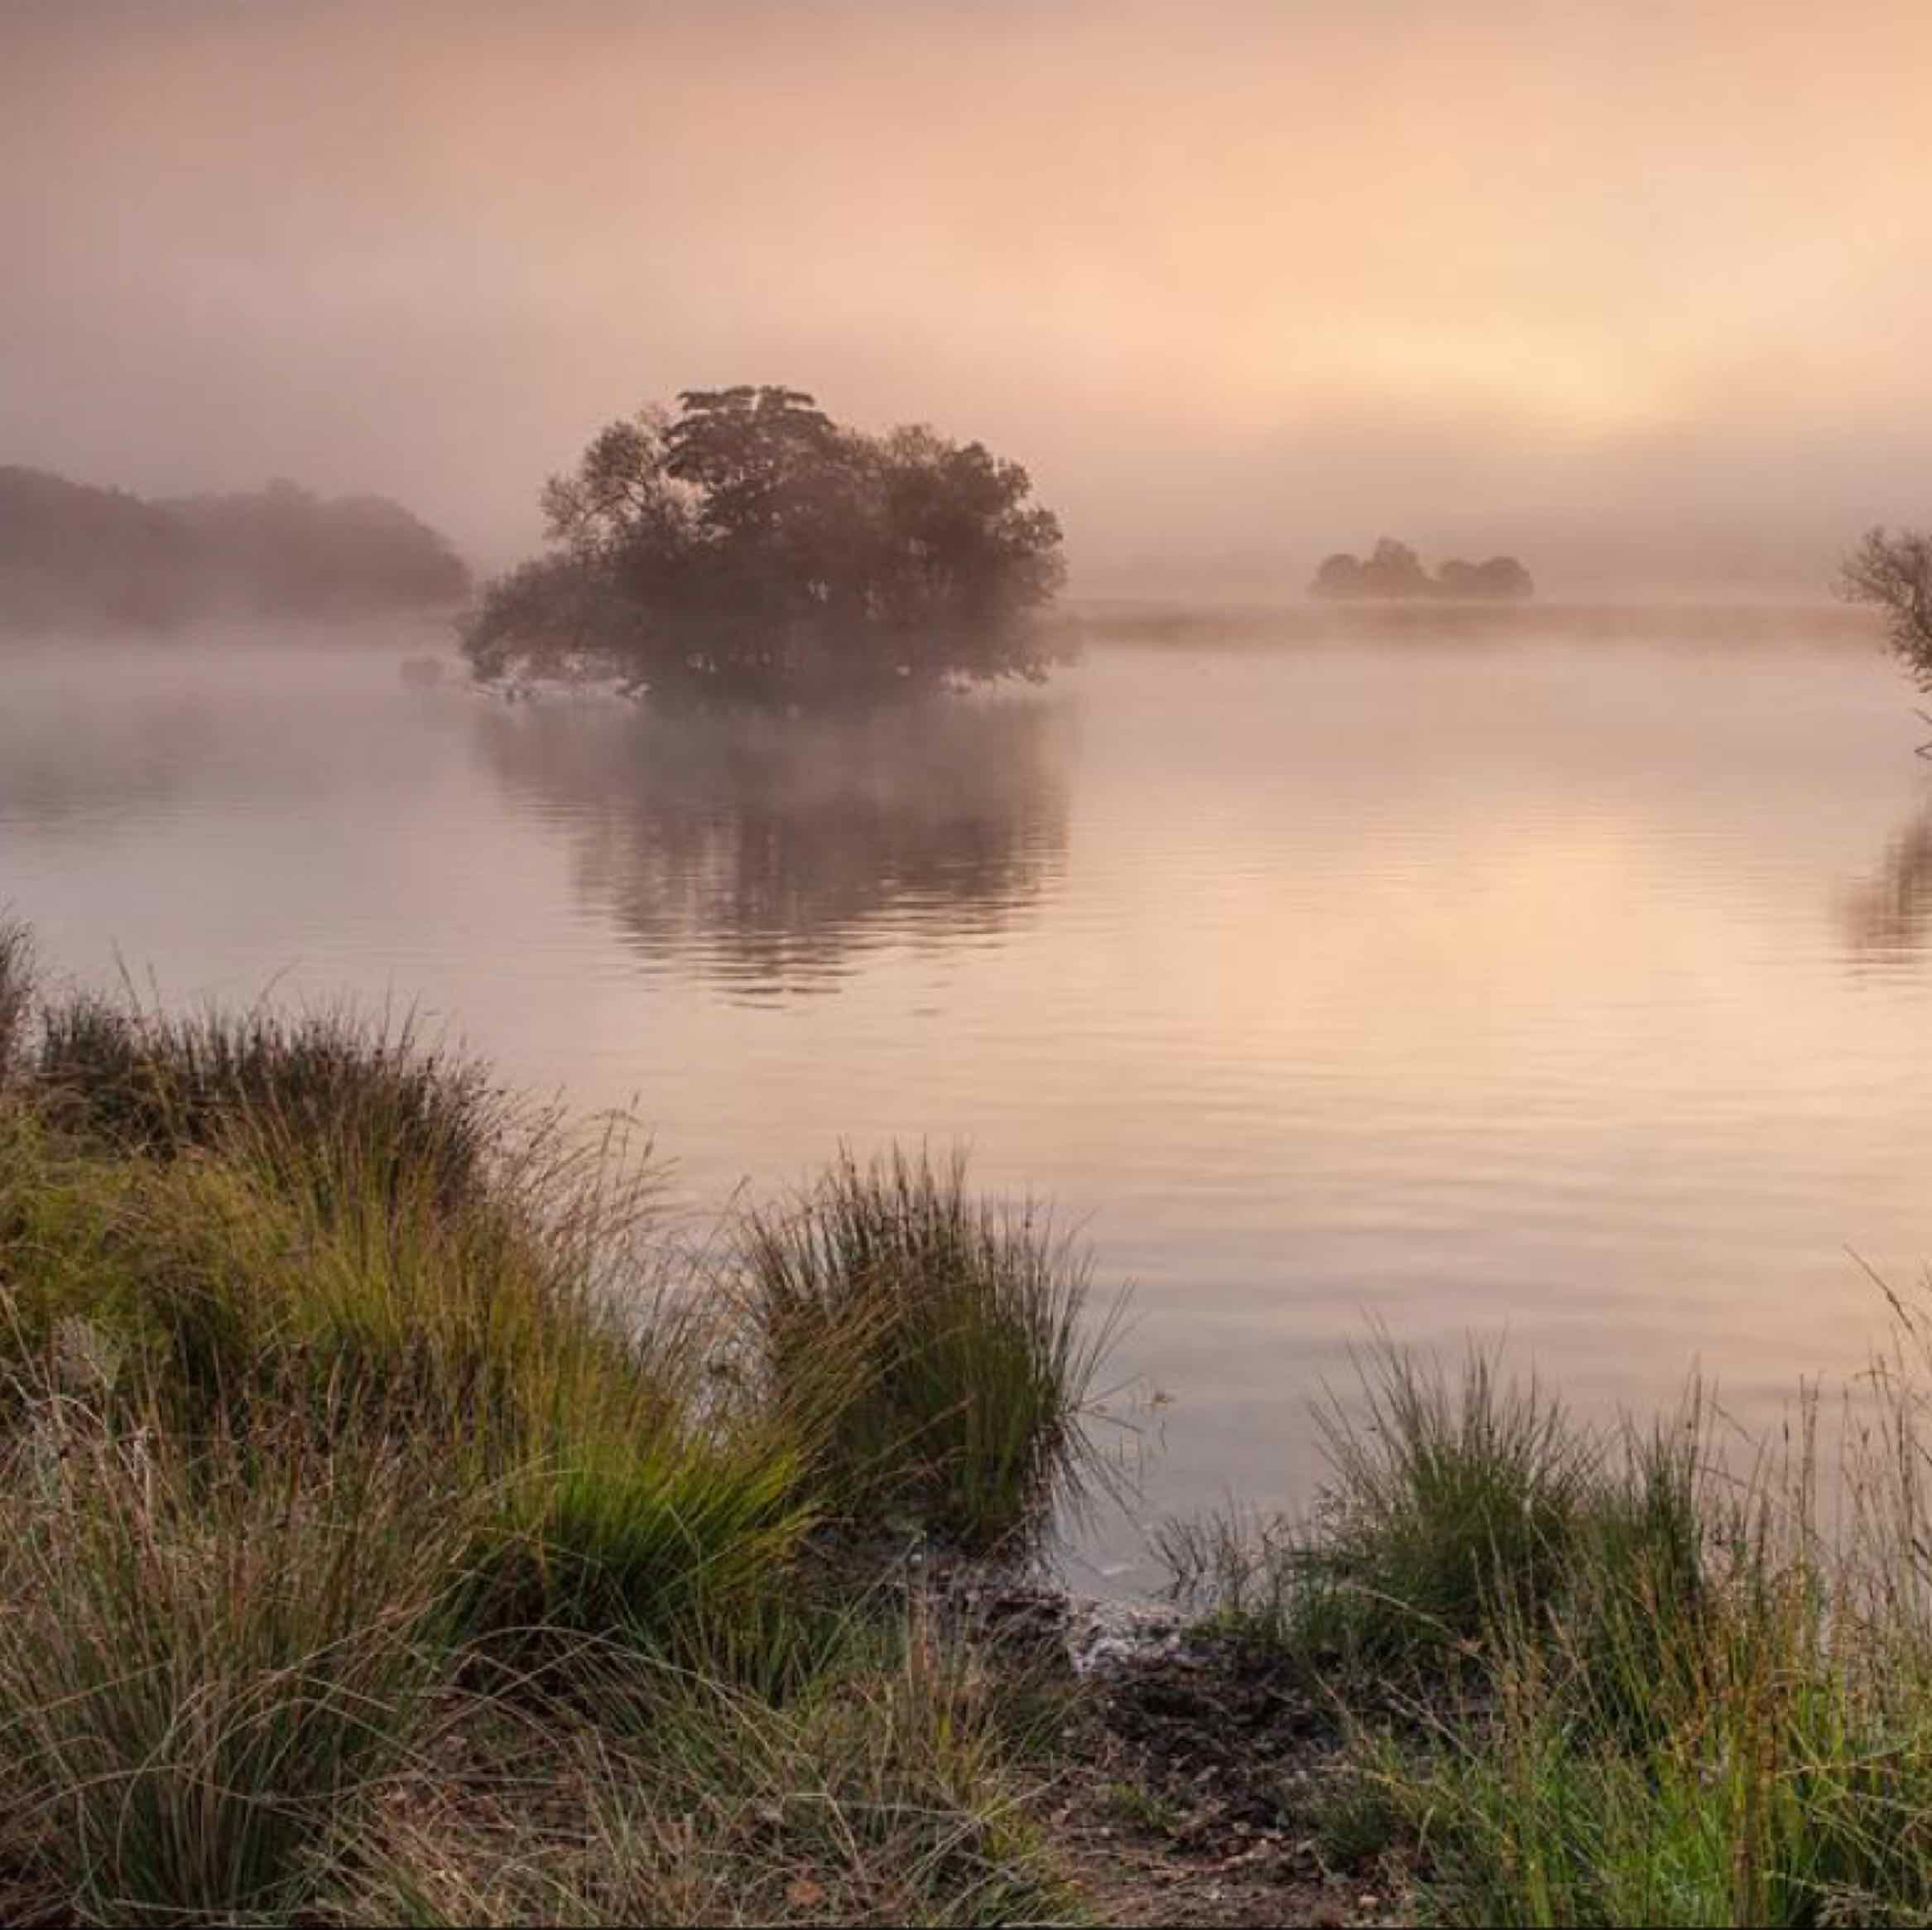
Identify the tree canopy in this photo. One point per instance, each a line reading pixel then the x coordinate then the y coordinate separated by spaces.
pixel 1396 570
pixel 748 544
pixel 1894 572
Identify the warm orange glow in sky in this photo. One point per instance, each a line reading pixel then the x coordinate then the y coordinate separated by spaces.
pixel 1608 280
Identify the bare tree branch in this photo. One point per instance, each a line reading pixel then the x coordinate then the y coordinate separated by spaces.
pixel 1893 571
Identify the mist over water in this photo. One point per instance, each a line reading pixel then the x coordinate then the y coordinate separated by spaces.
pixel 1504 982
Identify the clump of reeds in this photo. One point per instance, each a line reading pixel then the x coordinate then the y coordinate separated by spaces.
pixel 937 1345
pixel 1446 1504
pixel 1758 1754
pixel 1608 1680
pixel 150 1081
pixel 505 1337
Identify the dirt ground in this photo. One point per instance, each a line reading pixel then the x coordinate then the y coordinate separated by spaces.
pixel 1204 1791
pixel 1195 1783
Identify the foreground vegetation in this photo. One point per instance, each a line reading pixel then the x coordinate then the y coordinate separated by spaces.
pixel 388 1528
pixel 396 1525
pixel 1581 1680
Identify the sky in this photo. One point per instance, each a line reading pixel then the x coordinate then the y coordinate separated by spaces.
pixel 1640 290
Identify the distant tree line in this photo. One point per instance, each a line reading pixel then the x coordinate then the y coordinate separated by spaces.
pixel 747 545
pixel 72 556
pixel 1394 570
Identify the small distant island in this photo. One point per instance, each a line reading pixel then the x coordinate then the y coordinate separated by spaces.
pixel 73 557
pixel 748 546
pixel 1394 570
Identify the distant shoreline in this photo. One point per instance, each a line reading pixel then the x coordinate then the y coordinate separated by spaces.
pixel 1156 621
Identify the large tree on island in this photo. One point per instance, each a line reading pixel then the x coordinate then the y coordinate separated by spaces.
pixel 749 546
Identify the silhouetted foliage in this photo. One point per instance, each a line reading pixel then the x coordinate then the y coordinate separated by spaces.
pixel 1396 570
pixel 1339 575
pixel 750 546
pixel 1499 578
pixel 1894 573
pixel 73 557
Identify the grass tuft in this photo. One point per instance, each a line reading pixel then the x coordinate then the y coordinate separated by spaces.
pixel 1448 1504
pixel 206 1663
pixel 886 1793
pixel 1613 1681
pixel 936 1346
pixel 150 1082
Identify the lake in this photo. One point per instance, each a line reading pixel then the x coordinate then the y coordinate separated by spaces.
pixel 1573 992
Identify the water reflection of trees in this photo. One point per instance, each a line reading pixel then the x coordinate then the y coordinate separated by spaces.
pixel 1890 915
pixel 767 850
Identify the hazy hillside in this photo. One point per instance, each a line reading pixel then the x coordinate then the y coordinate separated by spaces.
pixel 73 555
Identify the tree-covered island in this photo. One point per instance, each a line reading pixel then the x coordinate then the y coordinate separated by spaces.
pixel 748 545
pixel 1394 570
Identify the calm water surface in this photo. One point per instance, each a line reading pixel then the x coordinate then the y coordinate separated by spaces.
pixel 1578 993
